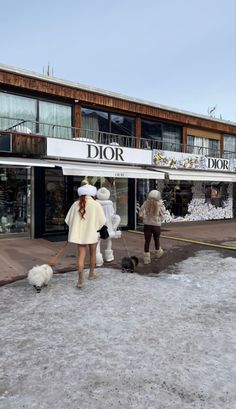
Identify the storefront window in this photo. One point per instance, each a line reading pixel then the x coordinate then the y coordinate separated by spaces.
pixel 118 188
pixel 15 208
pixel 143 188
pixel 190 200
pixel 196 200
pixel 176 196
pixel 55 201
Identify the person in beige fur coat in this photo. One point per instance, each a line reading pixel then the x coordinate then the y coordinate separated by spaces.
pixel 84 218
pixel 152 212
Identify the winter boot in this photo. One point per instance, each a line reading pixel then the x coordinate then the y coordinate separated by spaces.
pixel 159 252
pixel 109 256
pixel 80 279
pixel 146 258
pixel 99 260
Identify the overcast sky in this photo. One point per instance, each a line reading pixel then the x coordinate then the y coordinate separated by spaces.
pixel 179 53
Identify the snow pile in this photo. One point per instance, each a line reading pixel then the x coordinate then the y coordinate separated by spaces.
pixel 123 341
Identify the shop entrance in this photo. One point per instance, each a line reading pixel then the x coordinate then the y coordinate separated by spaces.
pixel 55 193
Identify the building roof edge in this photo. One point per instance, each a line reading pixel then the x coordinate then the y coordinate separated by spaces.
pixel 100 91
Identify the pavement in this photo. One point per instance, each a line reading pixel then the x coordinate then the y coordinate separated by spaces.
pixel 179 241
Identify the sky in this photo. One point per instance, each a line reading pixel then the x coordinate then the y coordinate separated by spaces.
pixel 177 53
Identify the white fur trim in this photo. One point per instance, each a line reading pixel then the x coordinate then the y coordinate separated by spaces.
pixel 109 256
pixel 99 260
pixel 115 234
pixel 87 190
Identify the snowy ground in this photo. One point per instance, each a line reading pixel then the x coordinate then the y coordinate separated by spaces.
pixel 123 341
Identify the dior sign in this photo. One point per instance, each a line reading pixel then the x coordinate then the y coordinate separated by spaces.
pixel 92 152
pixel 103 152
pixel 218 164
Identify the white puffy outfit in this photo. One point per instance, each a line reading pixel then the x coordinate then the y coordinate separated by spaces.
pixel 112 223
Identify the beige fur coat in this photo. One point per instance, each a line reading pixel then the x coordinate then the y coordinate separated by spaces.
pixel 84 231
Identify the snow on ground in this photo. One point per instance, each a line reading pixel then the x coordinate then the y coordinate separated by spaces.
pixel 123 341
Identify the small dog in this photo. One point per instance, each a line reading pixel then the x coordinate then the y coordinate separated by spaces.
pixel 128 264
pixel 40 276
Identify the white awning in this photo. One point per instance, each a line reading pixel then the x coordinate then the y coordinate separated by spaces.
pixel 175 174
pixel 25 162
pixel 80 169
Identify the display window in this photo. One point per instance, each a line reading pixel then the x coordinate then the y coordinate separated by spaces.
pixel 15 201
pixel 118 188
pixel 189 200
pixel 197 200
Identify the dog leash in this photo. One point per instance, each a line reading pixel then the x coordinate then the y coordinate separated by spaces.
pixel 54 258
pixel 125 245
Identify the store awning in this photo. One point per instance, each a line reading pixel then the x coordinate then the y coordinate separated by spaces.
pixel 25 162
pixel 95 169
pixel 175 174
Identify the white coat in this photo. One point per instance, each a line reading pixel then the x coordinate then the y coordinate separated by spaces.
pixel 84 231
pixel 108 209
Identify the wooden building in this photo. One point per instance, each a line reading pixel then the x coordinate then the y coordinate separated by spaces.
pixel 55 133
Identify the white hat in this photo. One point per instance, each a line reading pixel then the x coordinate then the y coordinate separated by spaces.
pixel 154 194
pixel 87 190
pixel 103 194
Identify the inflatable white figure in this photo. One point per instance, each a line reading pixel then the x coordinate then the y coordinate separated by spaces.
pixel 112 222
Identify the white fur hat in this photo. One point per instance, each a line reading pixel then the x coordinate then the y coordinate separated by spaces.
pixel 154 194
pixel 87 190
pixel 103 194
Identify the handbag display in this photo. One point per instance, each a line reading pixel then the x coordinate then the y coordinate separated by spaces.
pixel 104 232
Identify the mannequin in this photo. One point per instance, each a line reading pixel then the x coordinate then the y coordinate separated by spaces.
pixel 112 222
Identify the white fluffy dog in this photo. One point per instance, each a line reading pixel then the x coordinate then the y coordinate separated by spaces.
pixel 40 276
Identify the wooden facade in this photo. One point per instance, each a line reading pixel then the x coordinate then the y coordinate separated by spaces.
pixel 47 212
pixel 77 97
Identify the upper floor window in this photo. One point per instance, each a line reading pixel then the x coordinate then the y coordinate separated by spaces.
pixel 229 146
pixel 106 127
pixel 171 137
pixel 123 125
pixel 55 119
pixel 203 146
pixel 164 136
pixel 17 113
pixel 28 115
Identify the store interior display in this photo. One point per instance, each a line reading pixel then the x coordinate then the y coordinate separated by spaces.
pixel 14 201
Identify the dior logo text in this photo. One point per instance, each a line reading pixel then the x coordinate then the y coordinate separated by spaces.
pixel 218 163
pixel 105 152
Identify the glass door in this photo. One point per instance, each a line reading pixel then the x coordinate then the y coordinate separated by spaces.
pixel 55 201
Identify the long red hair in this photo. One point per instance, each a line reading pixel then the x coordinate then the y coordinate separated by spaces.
pixel 82 204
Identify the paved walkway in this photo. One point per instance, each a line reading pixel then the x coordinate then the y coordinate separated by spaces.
pixel 17 256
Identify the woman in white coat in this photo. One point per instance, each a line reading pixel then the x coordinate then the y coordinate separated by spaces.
pixel 84 219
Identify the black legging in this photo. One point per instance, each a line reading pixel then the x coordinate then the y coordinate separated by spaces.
pixel 148 232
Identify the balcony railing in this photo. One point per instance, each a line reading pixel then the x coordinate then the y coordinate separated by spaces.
pixel 9 124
